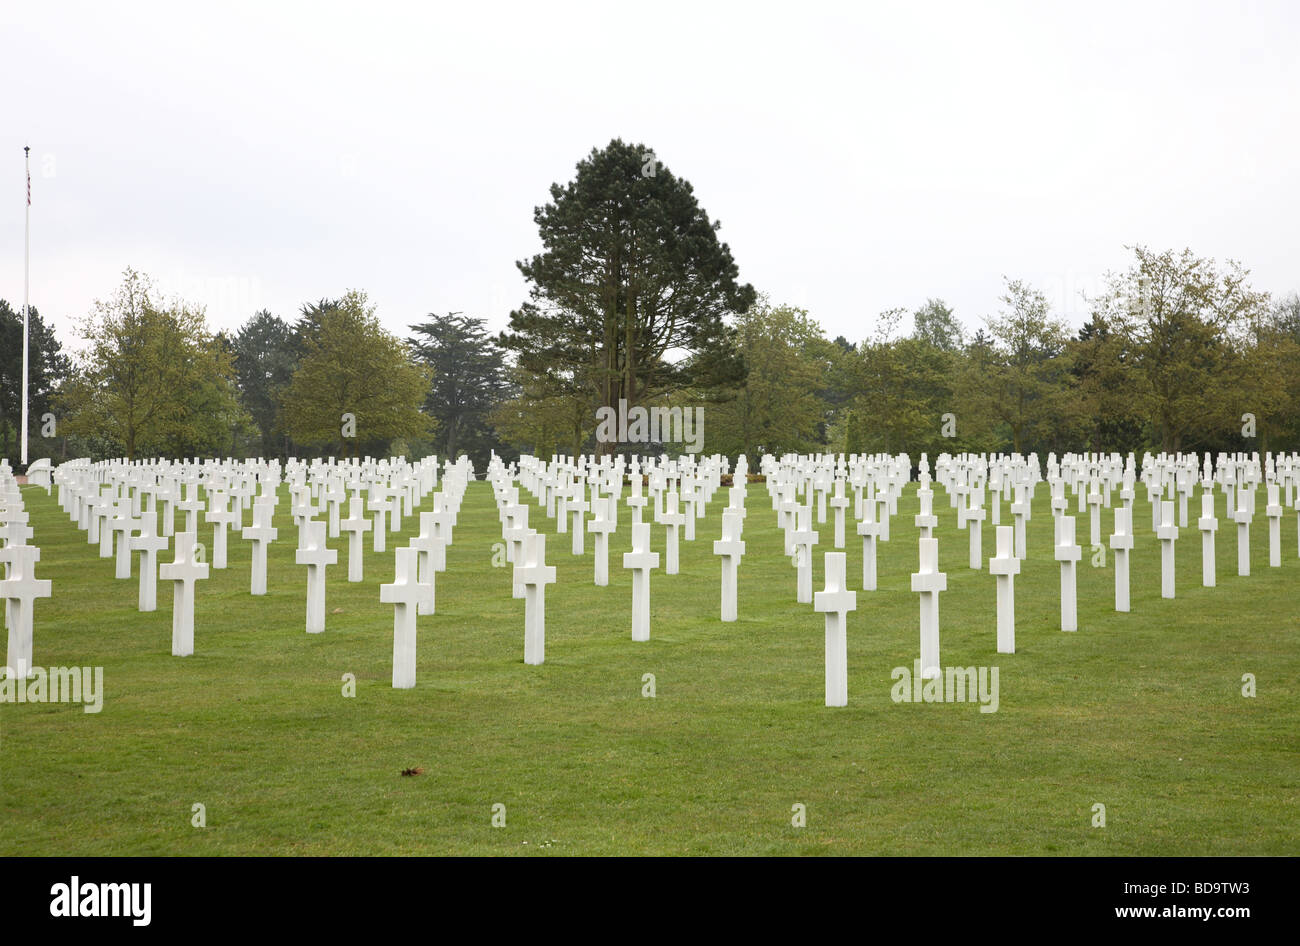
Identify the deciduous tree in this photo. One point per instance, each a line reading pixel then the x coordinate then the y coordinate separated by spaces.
pixel 152 379
pixel 352 366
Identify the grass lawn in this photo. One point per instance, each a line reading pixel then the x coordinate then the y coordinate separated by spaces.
pixel 1142 712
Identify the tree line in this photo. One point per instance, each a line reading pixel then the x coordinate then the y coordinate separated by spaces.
pixel 634 299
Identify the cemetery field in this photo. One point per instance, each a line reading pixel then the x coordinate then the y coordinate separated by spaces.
pixel 1140 712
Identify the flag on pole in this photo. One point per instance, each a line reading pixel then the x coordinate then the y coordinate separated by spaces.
pixel 27 244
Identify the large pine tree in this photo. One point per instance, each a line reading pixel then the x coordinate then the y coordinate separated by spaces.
pixel 468 381
pixel 629 294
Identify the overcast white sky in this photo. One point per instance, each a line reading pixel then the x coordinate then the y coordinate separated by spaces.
pixel 859 156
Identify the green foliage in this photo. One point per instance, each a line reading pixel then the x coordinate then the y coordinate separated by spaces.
pixel 468 380
pixel 631 276
pixel 543 419
pixel 1017 374
pixel 898 391
pixel 936 326
pixel 1267 370
pixel 266 353
pixel 628 300
pixel 152 381
pixel 47 366
pixel 1186 320
pixel 351 365
pixel 777 409
pixel 1107 413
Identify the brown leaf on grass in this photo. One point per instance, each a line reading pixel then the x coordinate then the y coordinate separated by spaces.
pixel 337 611
pixel 415 771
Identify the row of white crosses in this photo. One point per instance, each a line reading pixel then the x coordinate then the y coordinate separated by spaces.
pixel 19 586
pixel 413 589
pixel 1092 478
pixel 119 503
pixel 568 489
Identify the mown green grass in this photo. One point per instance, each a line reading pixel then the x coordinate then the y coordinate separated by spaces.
pixel 1141 712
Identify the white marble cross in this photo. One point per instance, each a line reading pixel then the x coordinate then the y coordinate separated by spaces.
pixel 636 500
pixel 1126 496
pixel 787 518
pixel 736 503
pixel 839 503
pixel 432 559
pixel 403 594
pixel 149 543
pixel 1121 542
pixel 561 505
pixel 820 485
pixel 222 517
pixel 20 591
pixel 381 505
pixel 183 571
pixel 1208 524
pixel 730 548
pixel 1274 512
pixel 577 509
pixel 1021 509
pixel 1243 514
pixel 123 525
pixel 884 507
pixel 534 575
pixel 1068 553
pixel 354 525
pixel 261 533
pixel 101 520
pixel 1167 533
pixel 190 505
pixel 973 515
pixel 835 602
pixel 394 496
pixel 165 504
pixel 101 508
pixel 444 517
pixel 605 509
pixel 1094 509
pixel 869 529
pixel 334 495
pixel 803 539
pixel 16 531
pixel 928 583
pixel 316 556
pixel 1059 503
pixel 641 560
pixel 516 536
pixel 672 519
pixel 1006 566
pixel 926 520
pixel 1154 494
pixel 693 509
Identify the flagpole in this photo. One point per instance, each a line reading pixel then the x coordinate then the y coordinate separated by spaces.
pixel 27 252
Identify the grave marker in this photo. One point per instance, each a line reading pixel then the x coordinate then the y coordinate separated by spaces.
pixel 404 595
pixel 641 560
pixel 148 543
pixel 928 583
pixel 835 602
pixel 1006 566
pixel 183 571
